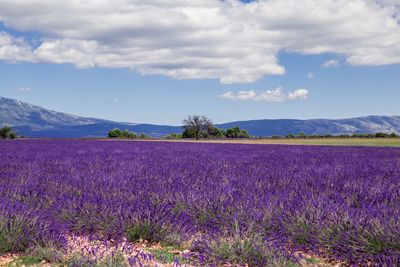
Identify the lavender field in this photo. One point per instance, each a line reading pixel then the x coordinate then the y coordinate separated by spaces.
pixel 261 205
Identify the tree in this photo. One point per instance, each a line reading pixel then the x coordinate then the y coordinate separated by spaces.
pixel 381 135
pixel 198 125
pixel 128 134
pixel 290 136
pixel 173 136
pixel 144 136
pixel 7 133
pixel 216 132
pixel 302 135
pixel 115 133
pixel 188 133
pixel 236 132
pixel 125 134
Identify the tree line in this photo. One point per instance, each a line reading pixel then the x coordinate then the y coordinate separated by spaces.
pixel 302 135
pixel 200 127
pixel 194 127
pixel 126 134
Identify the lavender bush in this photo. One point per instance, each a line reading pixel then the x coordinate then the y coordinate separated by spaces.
pixel 262 201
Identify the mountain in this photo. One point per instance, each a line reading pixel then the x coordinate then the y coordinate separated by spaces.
pixel 369 124
pixel 34 121
pixel 16 113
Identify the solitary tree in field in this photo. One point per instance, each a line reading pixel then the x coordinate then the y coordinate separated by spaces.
pixel 198 125
pixel 7 132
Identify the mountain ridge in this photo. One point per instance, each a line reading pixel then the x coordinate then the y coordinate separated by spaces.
pixel 35 121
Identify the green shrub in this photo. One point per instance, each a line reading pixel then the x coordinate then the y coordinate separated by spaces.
pixel 302 135
pixel 173 136
pixel 115 133
pixel 188 133
pixel 128 134
pixel 144 136
pixel 216 132
pixel 236 132
pixel 7 133
pixel 125 134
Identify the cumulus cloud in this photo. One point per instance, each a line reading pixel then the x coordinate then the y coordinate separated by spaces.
pixel 24 89
pixel 241 95
pixel 275 95
pixel 14 49
pixel 331 63
pixel 182 39
pixel 299 94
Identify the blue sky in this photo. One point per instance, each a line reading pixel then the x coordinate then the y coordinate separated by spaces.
pixel 350 84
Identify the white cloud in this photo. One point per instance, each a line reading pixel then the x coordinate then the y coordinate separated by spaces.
pixel 310 75
pixel 24 89
pixel 14 49
pixel 331 63
pixel 299 94
pixel 241 95
pixel 275 95
pixel 184 39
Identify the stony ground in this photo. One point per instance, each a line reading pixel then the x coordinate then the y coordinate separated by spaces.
pixel 139 254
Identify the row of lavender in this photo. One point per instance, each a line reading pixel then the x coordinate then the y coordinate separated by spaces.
pixel 240 203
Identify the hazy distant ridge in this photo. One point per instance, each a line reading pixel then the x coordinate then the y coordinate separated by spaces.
pixel 35 121
pixel 369 124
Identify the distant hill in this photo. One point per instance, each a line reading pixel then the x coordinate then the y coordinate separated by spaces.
pixel 34 121
pixel 16 113
pixel 369 124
